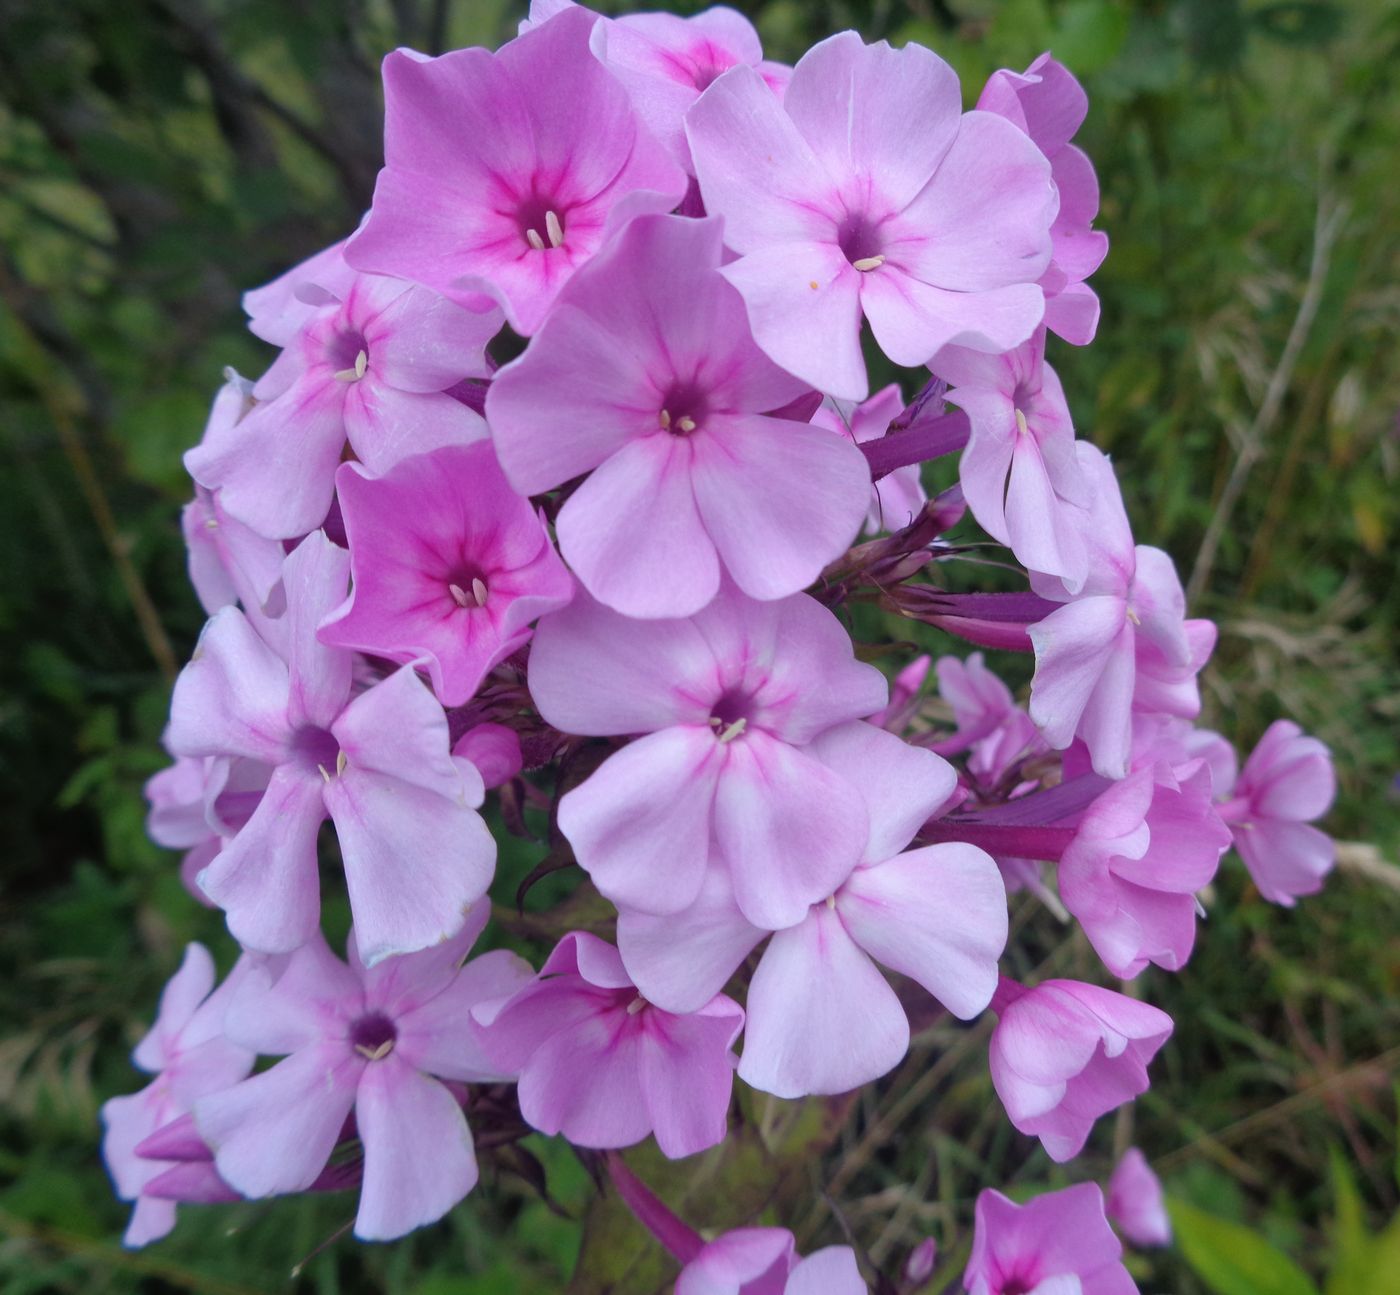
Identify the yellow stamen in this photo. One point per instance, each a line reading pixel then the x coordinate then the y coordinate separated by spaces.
pixel 532 237
pixel 553 228
pixel 685 423
pixel 733 731
pixel 868 263
pixel 375 1054
pixel 479 591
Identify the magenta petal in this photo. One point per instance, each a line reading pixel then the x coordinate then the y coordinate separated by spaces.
pixel 937 915
pixel 265 879
pixel 640 826
pixel 634 536
pixel 779 500
pixel 297 1107
pixel 687 1074
pixel 789 828
pixel 821 1017
pixel 419 1159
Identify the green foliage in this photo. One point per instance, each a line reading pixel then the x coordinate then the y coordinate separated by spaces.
pixel 159 156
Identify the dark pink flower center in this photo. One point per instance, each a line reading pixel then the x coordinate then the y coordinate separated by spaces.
pixel 316 748
pixel 347 353
pixel 731 714
pixel 684 407
pixel 373 1036
pixel 860 241
pixel 467 587
pixel 541 220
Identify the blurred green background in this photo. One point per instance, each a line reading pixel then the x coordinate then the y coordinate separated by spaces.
pixel 159 156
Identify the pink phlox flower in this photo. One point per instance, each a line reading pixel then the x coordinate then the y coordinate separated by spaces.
pixel 1135 1202
pixel 764 1261
pixel 666 62
pixel 279 310
pixel 378 764
pixel 868 192
pixel 1139 855
pixel 604 1067
pixel 725 701
pixel 649 350
pixel 1065 1053
pixel 1019 472
pixel 450 567
pixel 377 1041
pixel 188 1052
pixel 991 727
pixel 1287 782
pixel 505 172
pixel 1121 638
pixel 898 497
pixel 822 1018
pixel 228 561
pixel 371 367
pixel 1048 104
pixel 1059 1243
pixel 904 696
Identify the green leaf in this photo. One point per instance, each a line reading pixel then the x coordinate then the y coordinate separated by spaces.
pixel 1351 1246
pixel 1231 1259
pixel 1088 35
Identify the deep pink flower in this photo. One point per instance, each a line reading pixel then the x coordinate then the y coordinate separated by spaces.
pixel 186 1049
pixel 904 696
pixel 1065 1053
pixel 378 764
pixel 867 191
pixel 1287 782
pixel 450 567
pixel 377 1042
pixel 1019 472
pixel 604 1067
pixel 1135 1202
pixel 665 62
pixel 1121 639
pixel 726 700
pixel 1057 1244
pixel 1139 855
pixel 1048 104
pixel 649 351
pixel 896 498
pixel 822 1018
pixel 372 367
pixel 763 1261
pixel 494 750
pixel 502 170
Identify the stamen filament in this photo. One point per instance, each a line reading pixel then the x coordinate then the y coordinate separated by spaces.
pixel 479 591
pixel 459 595
pixel 868 263
pixel 533 238
pixel 377 1053
pixel 553 228
pixel 636 1005
pixel 685 423
pixel 664 418
pixel 1021 423
pixel 734 730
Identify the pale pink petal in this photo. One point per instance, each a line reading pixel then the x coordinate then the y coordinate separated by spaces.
pixel 640 825
pixel 831 1271
pixel 1074 646
pixel 634 536
pixel 297 1107
pixel 423 342
pixel 679 961
pixel 585 1083
pixel 265 879
pixel 687 1074
pixel 789 828
pixel 386 426
pixel 912 320
pixel 779 500
pixel 821 1018
pixel 938 915
pixel 315 576
pixel 872 111
pixel 902 785
pixel 183 993
pixel 419 1159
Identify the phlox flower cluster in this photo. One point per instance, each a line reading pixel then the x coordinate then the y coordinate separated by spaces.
pixel 601 596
